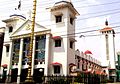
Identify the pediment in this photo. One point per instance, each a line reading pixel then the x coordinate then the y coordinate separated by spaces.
pixel 25 28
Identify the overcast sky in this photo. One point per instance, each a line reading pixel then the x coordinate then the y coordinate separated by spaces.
pixel 93 14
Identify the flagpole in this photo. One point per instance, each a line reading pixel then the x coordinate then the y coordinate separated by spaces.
pixel 29 78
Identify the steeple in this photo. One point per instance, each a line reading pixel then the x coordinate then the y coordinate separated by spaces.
pixel 107 29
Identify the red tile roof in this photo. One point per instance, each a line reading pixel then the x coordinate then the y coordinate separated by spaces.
pixel 106 29
pixel 87 52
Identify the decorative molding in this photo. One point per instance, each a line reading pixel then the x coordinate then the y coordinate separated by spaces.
pixel 28 35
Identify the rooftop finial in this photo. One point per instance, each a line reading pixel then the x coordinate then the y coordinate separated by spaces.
pixel 106 22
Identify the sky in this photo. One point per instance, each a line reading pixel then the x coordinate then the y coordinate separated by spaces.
pixel 93 14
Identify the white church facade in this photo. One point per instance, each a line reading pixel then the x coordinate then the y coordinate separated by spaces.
pixel 53 47
pixel 52 52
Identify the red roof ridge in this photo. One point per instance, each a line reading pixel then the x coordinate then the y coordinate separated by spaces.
pixel 106 29
pixel 87 52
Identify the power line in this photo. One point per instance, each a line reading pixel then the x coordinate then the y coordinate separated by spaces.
pixel 90 5
pixel 83 27
pixel 80 28
pixel 73 3
pixel 89 31
pixel 88 35
pixel 117 12
pixel 102 4
pixel 94 35
pixel 102 11
pixel 84 32
pixel 117 2
pixel 111 13
pixel 95 12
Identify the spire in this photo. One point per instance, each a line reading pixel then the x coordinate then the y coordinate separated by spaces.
pixel 106 22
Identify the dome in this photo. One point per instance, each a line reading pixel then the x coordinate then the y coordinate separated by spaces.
pixel 87 52
pixel 18 16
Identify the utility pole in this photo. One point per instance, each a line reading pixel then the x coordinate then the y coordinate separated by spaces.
pixel 29 78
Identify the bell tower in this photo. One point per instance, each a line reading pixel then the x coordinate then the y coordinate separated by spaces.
pixel 63 15
pixel 108 48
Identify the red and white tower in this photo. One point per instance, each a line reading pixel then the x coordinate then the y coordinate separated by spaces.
pixel 108 49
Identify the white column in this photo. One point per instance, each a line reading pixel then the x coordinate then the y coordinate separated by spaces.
pixel 10 62
pixel 20 61
pixel 47 48
pixel 33 56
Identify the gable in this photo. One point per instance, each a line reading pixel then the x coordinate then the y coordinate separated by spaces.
pixel 26 29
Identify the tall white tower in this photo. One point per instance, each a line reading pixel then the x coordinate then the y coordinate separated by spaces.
pixel 63 15
pixel 108 49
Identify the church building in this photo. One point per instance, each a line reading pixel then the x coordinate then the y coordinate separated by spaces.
pixel 52 52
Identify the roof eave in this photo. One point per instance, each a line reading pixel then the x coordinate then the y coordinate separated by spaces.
pixel 64 6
